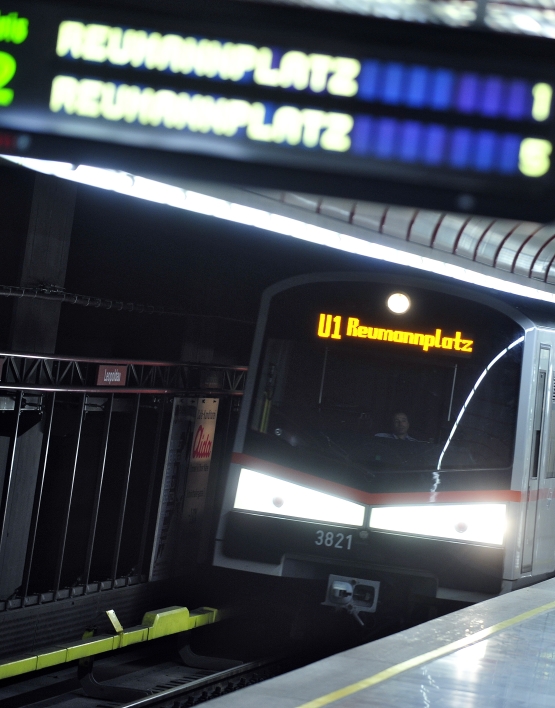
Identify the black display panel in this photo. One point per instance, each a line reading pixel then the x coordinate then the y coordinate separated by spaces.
pixel 412 125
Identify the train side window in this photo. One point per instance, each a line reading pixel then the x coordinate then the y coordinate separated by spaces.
pixel 550 467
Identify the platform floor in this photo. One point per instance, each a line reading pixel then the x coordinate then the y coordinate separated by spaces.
pixel 497 654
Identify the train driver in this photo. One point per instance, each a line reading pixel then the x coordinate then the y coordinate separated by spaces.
pixel 401 425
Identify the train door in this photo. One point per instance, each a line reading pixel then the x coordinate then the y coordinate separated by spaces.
pixel 538 523
pixel 544 543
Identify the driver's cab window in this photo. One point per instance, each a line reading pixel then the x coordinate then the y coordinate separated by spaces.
pixel 365 407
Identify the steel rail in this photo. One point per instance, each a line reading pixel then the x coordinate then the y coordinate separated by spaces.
pixel 57 374
pixel 121 362
pixel 52 293
pixel 172 693
pixel 202 392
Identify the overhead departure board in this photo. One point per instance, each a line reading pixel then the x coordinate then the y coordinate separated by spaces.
pixel 417 117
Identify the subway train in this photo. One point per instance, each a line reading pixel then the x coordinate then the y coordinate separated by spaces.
pixel 395 432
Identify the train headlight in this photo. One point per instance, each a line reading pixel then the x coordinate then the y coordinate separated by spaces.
pixel 270 495
pixel 399 303
pixel 479 523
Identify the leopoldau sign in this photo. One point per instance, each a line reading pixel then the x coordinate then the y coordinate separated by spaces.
pixel 111 375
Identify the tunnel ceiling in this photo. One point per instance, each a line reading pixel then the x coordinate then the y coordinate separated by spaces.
pixel 518 255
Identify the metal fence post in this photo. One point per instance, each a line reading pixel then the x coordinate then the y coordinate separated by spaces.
pixel 123 502
pixel 38 494
pixel 98 488
pixel 62 543
pixel 8 475
pixel 148 510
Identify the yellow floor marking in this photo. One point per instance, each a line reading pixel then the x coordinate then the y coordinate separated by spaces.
pixel 424 658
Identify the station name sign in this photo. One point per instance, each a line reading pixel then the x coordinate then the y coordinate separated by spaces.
pixel 338 327
pixel 83 73
pixel 111 375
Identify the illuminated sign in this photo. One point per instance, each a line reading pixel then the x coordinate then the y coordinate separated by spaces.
pixel 111 375
pixel 369 80
pixel 335 327
pixel 12 29
pixel 200 113
pixel 210 58
pixel 412 116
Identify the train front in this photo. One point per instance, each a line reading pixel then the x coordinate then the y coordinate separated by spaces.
pixel 376 442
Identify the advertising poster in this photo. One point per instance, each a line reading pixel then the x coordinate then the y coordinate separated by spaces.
pixel 199 464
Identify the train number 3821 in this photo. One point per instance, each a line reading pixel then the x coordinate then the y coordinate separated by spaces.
pixel 333 540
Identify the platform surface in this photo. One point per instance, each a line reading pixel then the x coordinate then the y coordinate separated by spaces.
pixel 496 654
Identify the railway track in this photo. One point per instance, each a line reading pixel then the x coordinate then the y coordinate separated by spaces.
pixel 203 689
pixel 162 680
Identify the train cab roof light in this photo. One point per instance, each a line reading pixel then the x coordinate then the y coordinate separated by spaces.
pixel 269 495
pixel 190 200
pixel 399 303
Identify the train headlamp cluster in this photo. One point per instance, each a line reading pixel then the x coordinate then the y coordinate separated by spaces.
pixel 478 523
pixel 270 495
pixel 473 523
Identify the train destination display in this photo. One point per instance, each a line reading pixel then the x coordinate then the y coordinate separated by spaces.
pixel 335 327
pixel 66 74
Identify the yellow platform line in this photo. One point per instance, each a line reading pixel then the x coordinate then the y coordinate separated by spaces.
pixel 425 658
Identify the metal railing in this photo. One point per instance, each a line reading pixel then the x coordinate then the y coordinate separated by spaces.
pixel 48 373
pixel 89 438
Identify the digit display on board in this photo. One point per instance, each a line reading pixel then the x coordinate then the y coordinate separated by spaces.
pixel 424 118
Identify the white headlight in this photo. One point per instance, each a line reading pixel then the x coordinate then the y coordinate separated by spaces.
pixel 481 523
pixel 399 303
pixel 260 492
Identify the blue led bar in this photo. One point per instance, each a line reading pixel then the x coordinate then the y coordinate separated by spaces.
pixel 423 87
pixel 458 148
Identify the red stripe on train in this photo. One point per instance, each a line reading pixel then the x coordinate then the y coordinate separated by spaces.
pixel 341 490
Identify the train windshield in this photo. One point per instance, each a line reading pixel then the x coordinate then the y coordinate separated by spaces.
pixel 382 392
